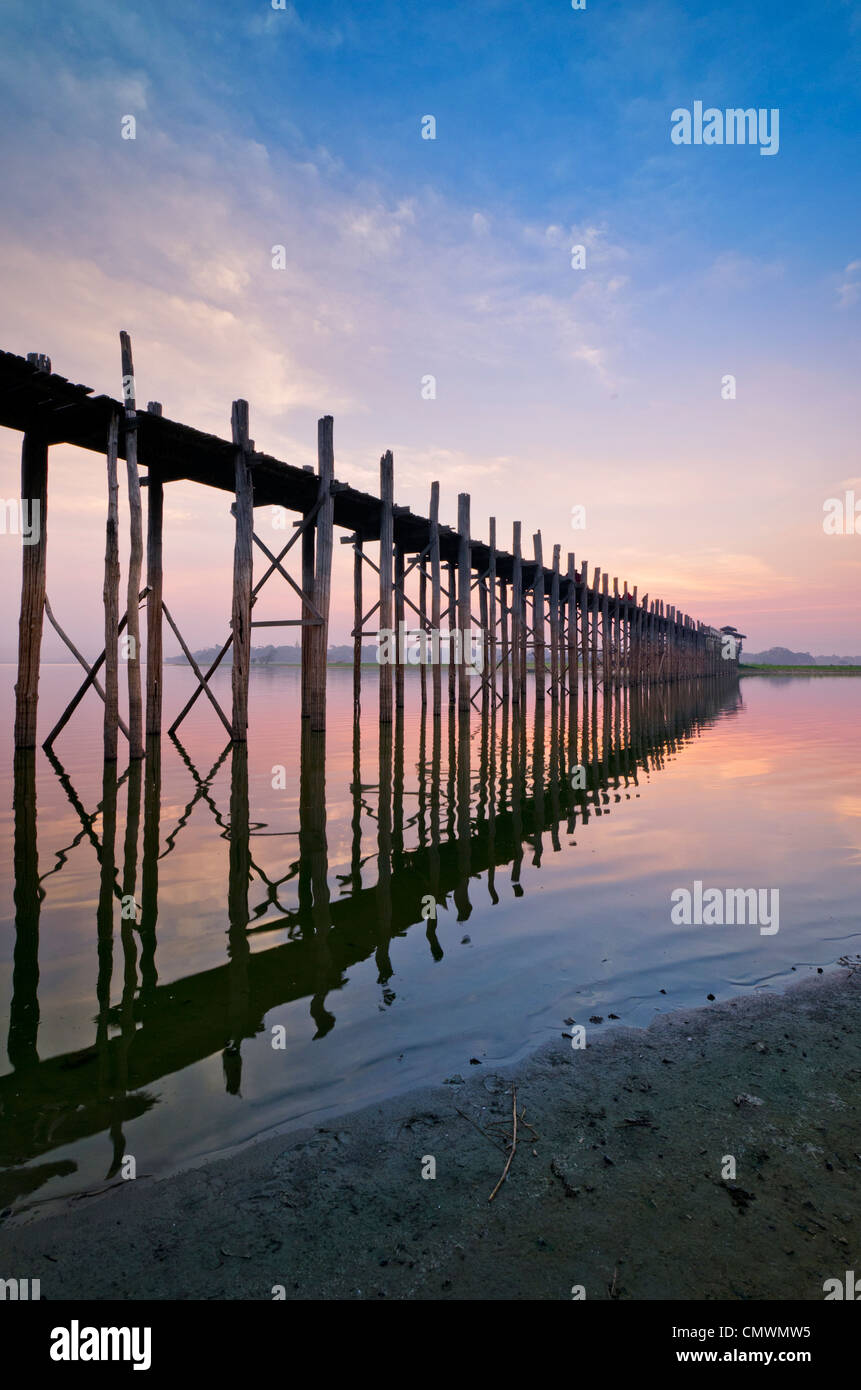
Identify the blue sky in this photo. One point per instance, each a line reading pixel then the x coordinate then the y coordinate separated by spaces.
pixel 404 257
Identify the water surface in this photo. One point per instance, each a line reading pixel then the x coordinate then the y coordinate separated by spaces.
pixel 281 888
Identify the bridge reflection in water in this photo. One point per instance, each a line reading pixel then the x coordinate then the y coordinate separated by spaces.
pixel 492 788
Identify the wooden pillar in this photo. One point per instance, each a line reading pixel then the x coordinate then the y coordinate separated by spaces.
pixel 307 615
pixel 400 615
pixel 616 633
pixel 357 623
pixel 322 574
pixel 596 608
pixel 452 627
pixel 387 488
pixel 491 584
pixel 34 496
pixel 606 639
pixel 28 893
pixel 111 598
pixel 423 622
pixel 517 619
pixel 538 651
pixel 633 638
pixel 554 626
pixel 504 640
pixel 484 623
pixel 584 624
pixel 572 626
pixel 155 587
pixel 242 571
pixel 239 946
pixel 150 870
pixel 436 598
pixel 464 595
pixel 133 663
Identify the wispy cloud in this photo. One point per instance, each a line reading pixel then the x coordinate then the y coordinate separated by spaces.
pixel 849 291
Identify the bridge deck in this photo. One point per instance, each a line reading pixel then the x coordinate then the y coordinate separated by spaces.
pixel 65 413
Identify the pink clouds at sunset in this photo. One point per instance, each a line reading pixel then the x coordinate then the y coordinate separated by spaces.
pixel 555 387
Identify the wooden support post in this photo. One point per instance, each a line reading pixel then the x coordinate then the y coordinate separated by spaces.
pixel 483 623
pixel 596 608
pixel 436 613
pixel 34 498
pixel 452 628
pixel 633 639
pixel 584 624
pixel 242 571
pixel 464 595
pixel 357 624
pixel 111 598
pixel 387 489
pixel 423 623
pixel 400 614
pixel 23 1032
pixel 308 547
pixel 517 619
pixel 155 585
pixel 322 574
pixel 133 663
pixel 555 615
pixel 606 640
pixel 538 651
pixel 504 640
pixel 617 631
pixel 491 580
pixel 571 672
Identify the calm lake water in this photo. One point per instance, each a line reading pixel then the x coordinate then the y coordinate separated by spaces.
pixel 275 887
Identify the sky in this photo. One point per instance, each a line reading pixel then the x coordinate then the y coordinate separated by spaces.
pixel 599 387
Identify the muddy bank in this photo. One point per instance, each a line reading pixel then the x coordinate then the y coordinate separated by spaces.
pixel 620 1192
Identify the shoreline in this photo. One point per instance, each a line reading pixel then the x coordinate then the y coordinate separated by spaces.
pixel 622 1193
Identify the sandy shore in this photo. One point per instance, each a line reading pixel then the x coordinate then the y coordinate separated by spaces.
pixel 621 1192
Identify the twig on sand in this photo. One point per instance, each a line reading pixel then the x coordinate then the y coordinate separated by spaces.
pixel 524 1121
pixel 513 1144
pixel 477 1126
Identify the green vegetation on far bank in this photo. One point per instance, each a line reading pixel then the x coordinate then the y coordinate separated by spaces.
pixel 764 670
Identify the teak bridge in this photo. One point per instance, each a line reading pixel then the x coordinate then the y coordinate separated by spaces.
pixel 575 628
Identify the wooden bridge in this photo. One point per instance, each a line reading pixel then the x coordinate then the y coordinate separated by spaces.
pixel 576 628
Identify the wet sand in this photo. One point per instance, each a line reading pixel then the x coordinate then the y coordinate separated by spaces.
pixel 621 1192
